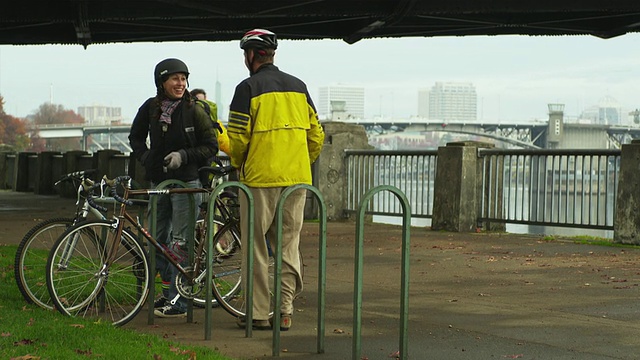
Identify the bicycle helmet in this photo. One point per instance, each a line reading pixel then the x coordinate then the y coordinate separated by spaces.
pixel 259 39
pixel 167 67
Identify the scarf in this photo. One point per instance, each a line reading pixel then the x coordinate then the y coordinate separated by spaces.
pixel 167 107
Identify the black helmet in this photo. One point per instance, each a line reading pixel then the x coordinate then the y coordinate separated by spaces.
pixel 167 67
pixel 259 39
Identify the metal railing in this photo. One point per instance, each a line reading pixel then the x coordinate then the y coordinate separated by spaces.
pixel 413 172
pixel 567 188
pixel 570 188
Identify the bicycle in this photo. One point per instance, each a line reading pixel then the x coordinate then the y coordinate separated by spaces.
pixel 31 255
pixel 99 269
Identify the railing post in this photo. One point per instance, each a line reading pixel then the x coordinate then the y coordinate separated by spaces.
pixel 458 187
pixel 330 175
pixel 627 216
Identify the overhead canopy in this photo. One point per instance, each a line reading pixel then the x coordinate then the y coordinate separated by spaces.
pixel 116 21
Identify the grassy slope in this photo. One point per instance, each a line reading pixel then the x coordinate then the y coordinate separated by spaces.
pixel 30 332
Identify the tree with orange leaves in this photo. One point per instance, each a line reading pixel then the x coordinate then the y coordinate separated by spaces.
pixel 13 131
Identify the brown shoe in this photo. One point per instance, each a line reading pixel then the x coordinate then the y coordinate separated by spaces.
pixel 257 324
pixel 285 322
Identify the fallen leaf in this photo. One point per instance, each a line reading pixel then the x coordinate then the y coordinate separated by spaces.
pixel 23 342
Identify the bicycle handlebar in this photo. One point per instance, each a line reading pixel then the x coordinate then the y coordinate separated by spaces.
pixel 90 198
pixel 82 174
pixel 93 204
pixel 114 184
pixel 217 171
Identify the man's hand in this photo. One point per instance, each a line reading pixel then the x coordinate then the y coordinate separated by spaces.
pixel 173 160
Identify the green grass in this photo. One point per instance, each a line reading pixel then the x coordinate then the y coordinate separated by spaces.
pixel 594 240
pixel 30 332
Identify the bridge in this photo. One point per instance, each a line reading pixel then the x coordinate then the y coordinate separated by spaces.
pixel 532 135
pixel 93 137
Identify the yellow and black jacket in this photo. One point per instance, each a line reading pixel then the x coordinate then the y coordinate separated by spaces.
pixel 274 133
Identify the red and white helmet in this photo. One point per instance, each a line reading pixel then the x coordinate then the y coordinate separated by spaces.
pixel 259 39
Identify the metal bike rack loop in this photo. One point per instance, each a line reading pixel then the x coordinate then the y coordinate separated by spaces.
pixel 404 276
pixel 322 266
pixel 152 250
pixel 249 245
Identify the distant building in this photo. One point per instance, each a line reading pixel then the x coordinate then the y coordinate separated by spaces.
pixel 449 101
pixel 100 115
pixel 607 112
pixel 218 100
pixel 342 100
pixel 423 103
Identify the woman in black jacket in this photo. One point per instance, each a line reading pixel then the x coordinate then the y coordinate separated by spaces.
pixel 182 138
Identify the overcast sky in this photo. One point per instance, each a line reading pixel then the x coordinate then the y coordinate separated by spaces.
pixel 515 76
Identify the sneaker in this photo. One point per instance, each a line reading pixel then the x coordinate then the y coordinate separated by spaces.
pixel 257 324
pixel 169 311
pixel 285 322
pixel 160 302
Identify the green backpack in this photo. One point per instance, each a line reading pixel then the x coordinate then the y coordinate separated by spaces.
pixel 212 110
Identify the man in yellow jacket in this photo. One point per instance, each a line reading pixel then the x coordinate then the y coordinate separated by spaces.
pixel 274 137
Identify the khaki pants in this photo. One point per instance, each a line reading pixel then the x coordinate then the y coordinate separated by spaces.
pixel 265 201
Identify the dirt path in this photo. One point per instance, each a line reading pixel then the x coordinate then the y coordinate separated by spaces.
pixel 472 296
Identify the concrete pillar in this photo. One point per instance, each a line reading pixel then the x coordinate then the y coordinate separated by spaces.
pixel 44 173
pixel 21 175
pixel 71 161
pixel 329 170
pixel 102 159
pixel 6 173
pixel 627 215
pixel 137 173
pixel 458 187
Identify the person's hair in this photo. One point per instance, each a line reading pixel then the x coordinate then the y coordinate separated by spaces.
pixel 263 55
pixel 195 92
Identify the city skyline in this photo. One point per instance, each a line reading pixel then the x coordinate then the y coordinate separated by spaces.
pixel 515 76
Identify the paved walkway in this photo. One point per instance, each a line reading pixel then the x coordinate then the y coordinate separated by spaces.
pixel 472 296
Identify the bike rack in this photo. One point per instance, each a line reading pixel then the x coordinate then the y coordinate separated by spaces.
pixel 249 286
pixel 322 266
pixel 404 277
pixel 152 250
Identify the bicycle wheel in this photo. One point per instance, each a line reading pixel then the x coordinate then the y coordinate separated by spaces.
pixel 81 284
pixel 201 236
pixel 31 260
pixel 227 269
